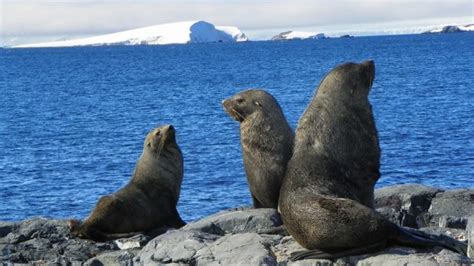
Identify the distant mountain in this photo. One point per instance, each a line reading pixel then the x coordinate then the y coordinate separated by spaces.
pixel 452 29
pixel 298 35
pixel 171 33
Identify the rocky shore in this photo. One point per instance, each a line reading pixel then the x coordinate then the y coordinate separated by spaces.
pixel 248 237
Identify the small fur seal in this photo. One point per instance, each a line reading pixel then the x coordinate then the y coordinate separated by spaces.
pixel 267 143
pixel 148 201
pixel 326 197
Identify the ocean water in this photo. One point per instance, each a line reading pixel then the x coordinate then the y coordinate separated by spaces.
pixel 73 120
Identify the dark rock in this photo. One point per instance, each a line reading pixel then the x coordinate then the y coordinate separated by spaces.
pixel 6 228
pixel 455 203
pixel 451 29
pixel 443 221
pixel 47 241
pixel 402 204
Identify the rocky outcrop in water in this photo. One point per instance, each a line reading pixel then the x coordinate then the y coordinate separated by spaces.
pixel 248 236
pixel 452 29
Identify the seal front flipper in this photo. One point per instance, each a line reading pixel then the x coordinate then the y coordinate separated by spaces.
pixel 417 238
pixel 335 254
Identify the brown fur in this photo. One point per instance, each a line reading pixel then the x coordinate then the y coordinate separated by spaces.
pixel 148 201
pixel 267 142
pixel 326 198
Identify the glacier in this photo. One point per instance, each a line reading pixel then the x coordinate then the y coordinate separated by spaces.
pixel 298 35
pixel 170 33
pixel 452 28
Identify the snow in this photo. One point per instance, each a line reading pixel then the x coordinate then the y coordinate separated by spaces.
pixel 236 34
pixel 299 35
pixel 171 33
pixel 469 27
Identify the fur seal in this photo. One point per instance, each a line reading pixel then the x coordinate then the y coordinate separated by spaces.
pixel 148 201
pixel 326 197
pixel 267 143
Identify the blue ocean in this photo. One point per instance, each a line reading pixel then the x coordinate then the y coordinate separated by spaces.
pixel 73 120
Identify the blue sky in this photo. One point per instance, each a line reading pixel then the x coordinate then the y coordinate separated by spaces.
pixel 24 21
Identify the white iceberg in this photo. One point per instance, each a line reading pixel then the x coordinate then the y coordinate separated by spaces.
pixel 171 33
pixel 298 35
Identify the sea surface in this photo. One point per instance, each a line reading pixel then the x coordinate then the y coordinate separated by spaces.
pixel 73 120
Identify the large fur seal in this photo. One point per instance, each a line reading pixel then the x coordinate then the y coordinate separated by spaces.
pixel 326 197
pixel 148 201
pixel 267 143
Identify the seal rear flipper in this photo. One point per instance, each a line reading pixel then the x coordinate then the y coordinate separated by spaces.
pixel 417 238
pixel 333 254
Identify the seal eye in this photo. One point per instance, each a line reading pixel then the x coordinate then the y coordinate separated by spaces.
pixel 157 133
pixel 240 100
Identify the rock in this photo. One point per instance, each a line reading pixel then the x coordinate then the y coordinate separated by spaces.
pixel 298 35
pixel 450 29
pixel 238 221
pixel 177 246
pixel 246 236
pixel 136 241
pixel 6 228
pixel 238 249
pixel 119 257
pixel 402 204
pixel 451 208
pixel 284 248
pixel 457 234
pixel 46 241
pixel 470 237
pixel 407 256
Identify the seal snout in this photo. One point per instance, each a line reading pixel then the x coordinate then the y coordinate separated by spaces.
pixel 168 128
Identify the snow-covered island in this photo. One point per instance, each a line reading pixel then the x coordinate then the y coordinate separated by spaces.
pixel 452 29
pixel 171 33
pixel 298 35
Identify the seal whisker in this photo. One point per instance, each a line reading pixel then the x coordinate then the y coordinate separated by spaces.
pixel 238 114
